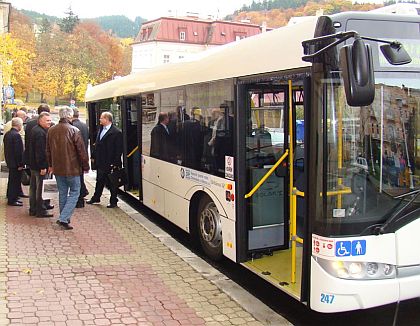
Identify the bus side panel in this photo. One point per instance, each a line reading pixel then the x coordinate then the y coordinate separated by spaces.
pixel 229 236
pixel 176 210
pixel 408 240
pixel 154 197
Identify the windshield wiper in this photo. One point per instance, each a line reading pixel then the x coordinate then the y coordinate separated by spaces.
pixel 412 192
pixel 399 214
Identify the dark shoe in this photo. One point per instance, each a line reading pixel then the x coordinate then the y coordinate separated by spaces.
pixel 92 201
pixel 19 201
pixel 23 196
pixel 49 206
pixel 15 203
pixel 65 226
pixel 44 215
pixel 80 204
pixel 32 213
pixel 111 206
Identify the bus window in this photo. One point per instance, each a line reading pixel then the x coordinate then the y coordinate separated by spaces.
pixel 205 137
pixel 148 107
pixel 371 154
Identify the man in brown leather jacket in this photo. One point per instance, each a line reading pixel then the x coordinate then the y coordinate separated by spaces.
pixel 67 158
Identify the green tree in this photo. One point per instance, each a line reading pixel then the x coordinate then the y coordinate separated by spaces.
pixel 46 26
pixel 67 24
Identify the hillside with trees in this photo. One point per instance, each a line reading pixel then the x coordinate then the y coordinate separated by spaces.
pixel 119 25
pixel 58 60
pixel 277 13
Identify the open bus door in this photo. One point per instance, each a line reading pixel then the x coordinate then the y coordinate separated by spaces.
pixel 274 168
pixel 130 112
pixel 266 141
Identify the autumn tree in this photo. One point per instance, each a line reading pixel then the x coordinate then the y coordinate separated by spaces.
pixel 65 60
pixel 15 61
pixel 22 36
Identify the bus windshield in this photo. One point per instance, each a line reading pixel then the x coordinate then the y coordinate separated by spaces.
pixel 371 154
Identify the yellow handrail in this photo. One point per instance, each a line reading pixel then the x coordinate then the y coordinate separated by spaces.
pixel 265 177
pixel 133 151
pixel 343 191
pixel 293 230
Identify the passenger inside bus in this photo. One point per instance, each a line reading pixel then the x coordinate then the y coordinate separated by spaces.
pixel 160 138
pixel 200 140
pixel 192 140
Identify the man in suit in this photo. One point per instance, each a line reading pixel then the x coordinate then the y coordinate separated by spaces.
pixel 37 157
pixel 30 124
pixel 159 147
pixel 106 155
pixel 85 136
pixel 13 152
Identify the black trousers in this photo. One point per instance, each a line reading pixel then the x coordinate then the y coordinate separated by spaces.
pixel 102 181
pixel 36 203
pixel 83 190
pixel 14 185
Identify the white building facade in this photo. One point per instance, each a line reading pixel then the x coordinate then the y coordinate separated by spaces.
pixel 170 39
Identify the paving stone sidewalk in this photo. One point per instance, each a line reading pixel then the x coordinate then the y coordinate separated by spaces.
pixel 109 270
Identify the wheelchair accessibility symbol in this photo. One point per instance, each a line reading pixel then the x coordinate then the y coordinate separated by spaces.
pixel 343 248
pixel 350 248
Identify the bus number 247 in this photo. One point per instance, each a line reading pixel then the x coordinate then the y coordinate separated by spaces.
pixel 327 298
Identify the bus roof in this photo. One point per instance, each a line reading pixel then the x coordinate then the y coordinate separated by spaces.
pixel 276 50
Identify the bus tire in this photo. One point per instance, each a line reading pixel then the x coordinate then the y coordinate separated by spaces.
pixel 209 228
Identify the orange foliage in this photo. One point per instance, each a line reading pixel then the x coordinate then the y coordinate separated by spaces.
pixel 279 17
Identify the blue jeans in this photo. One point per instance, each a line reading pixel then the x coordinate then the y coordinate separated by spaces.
pixel 68 194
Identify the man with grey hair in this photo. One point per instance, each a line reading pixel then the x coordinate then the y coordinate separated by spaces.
pixel 67 159
pixel 13 152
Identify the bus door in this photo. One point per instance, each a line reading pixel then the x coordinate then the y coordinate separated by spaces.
pixel 266 141
pixel 131 109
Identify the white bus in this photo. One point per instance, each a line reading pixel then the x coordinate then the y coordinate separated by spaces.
pixel 265 137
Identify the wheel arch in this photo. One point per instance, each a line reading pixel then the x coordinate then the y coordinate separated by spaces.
pixel 194 196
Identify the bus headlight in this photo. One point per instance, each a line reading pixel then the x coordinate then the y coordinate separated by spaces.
pixel 351 270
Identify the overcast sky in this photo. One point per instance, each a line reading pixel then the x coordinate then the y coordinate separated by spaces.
pixel 131 8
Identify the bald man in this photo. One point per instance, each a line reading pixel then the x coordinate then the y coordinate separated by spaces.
pixel 13 148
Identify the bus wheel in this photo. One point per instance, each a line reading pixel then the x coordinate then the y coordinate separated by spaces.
pixel 210 228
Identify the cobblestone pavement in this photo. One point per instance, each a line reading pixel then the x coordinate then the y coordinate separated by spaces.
pixel 109 270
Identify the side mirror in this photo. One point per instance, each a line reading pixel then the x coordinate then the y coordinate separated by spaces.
pixel 357 71
pixel 395 53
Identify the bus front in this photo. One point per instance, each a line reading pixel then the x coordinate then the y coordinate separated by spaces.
pixel 363 209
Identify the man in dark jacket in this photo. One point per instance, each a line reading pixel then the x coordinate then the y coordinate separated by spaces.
pixel 67 159
pixel 29 125
pixel 106 155
pixel 85 136
pixel 13 152
pixel 39 165
pixel 159 147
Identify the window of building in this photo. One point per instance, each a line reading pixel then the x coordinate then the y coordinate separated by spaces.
pixel 239 36
pixel 182 36
pixel 166 58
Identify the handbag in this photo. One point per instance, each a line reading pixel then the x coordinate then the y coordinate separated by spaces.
pixel 26 177
pixel 117 177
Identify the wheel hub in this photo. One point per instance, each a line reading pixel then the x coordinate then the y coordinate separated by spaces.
pixel 210 225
